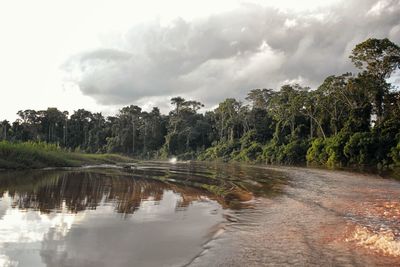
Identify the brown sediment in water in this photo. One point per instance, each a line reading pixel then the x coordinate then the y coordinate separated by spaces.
pixel 322 218
pixel 378 224
pixel 384 242
pixel 296 216
pixel 240 195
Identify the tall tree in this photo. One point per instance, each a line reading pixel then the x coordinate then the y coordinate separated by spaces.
pixel 379 57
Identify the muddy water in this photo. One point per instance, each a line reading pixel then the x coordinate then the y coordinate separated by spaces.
pixel 198 214
pixel 320 218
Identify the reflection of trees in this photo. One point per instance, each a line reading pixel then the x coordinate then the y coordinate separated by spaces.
pixel 126 189
pixel 230 182
pixel 80 190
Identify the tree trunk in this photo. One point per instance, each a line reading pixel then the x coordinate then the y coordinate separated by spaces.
pixel 292 126
pixel 65 133
pixel 221 133
pixel 144 138
pixel 187 141
pixel 133 135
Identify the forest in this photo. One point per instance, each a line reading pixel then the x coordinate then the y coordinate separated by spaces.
pixel 350 120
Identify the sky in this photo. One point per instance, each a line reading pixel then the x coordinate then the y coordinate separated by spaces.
pixel 103 55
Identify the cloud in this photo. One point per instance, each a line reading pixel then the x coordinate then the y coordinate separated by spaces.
pixel 227 54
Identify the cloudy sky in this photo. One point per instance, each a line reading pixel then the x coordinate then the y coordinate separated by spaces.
pixel 102 55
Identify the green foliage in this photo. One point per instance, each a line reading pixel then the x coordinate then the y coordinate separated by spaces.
pixel 317 153
pixel 395 154
pixel 251 153
pixel 349 120
pixel 292 153
pixel 380 57
pixel 221 151
pixel 329 151
pixel 295 152
pixel 360 149
pixel 39 155
pixel 248 138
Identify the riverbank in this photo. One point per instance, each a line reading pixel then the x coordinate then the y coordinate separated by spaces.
pixel 29 155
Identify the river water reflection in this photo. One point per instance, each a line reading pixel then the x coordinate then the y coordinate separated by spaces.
pixel 161 214
pixel 151 215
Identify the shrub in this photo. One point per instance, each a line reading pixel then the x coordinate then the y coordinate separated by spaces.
pixel 317 153
pixel 222 151
pixel 360 149
pixel 328 151
pixel 38 155
pixel 250 153
pixel 295 152
pixel 395 155
pixel 248 139
pixel 334 149
pixel 292 153
pixel 272 152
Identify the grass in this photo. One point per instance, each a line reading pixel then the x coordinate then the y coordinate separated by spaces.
pixel 33 155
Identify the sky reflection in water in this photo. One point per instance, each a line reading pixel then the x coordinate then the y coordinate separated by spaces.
pixel 91 218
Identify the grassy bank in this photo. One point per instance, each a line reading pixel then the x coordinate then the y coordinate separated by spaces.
pixel 30 155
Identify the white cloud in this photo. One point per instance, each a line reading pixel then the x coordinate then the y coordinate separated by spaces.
pixel 290 23
pixel 227 54
pixel 146 51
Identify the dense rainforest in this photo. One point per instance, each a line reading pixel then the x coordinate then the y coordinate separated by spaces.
pixel 349 120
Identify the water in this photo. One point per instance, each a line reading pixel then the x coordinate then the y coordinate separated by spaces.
pixel 198 214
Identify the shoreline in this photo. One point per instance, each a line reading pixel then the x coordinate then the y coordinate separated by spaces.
pixel 393 174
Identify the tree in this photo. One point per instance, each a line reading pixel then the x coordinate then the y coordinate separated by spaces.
pixel 183 127
pixel 310 109
pixel 260 98
pixel 131 114
pixel 4 129
pixel 333 103
pixel 78 129
pixel 227 119
pixel 348 119
pixel 379 57
pixel 286 106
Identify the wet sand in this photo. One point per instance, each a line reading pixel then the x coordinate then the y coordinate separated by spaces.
pixel 322 218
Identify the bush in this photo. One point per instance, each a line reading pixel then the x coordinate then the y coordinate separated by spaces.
pixel 329 151
pixel 295 152
pixel 317 153
pixel 395 155
pixel 334 149
pixel 272 152
pixel 292 153
pixel 248 139
pixel 360 149
pixel 248 154
pixel 30 155
pixel 221 151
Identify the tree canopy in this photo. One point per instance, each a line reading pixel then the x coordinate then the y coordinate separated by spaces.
pixel 350 119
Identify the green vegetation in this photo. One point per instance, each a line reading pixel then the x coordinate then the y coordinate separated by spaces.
pixel 30 155
pixel 350 120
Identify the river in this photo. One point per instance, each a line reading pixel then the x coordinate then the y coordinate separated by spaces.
pixel 198 214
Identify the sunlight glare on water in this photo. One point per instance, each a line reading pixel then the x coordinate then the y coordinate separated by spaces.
pixel 173 160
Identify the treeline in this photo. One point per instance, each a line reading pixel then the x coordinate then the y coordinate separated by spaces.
pixel 349 120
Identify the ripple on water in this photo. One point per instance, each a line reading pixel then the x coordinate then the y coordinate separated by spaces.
pixel 177 212
pixel 382 241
